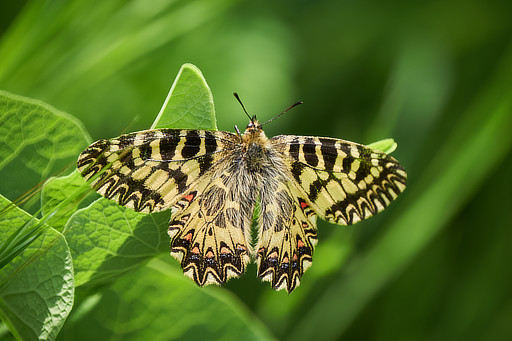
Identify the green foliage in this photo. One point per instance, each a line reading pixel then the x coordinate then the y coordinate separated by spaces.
pixel 37 141
pixel 36 287
pixel 189 104
pixel 387 146
pixel 434 75
pixel 107 240
pixel 59 190
pixel 481 154
pixel 33 147
pixel 156 302
pixel 99 244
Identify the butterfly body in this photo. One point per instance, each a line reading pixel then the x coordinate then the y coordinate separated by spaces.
pixel 213 181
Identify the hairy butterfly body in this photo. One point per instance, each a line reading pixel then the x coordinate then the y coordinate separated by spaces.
pixel 213 180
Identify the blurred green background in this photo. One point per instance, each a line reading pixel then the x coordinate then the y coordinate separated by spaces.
pixel 434 75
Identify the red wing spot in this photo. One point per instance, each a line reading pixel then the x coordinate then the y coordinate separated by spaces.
pixel 210 254
pixel 273 255
pixel 195 250
pixel 189 197
pixel 225 251
pixel 286 260
pixel 300 244
pixel 241 248
pixel 295 257
pixel 188 236
pixel 304 224
pixel 303 205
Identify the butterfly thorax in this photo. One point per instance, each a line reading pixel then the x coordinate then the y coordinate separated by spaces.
pixel 255 147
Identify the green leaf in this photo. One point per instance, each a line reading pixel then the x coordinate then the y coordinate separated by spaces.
pixel 189 104
pixel 36 141
pixel 387 146
pixel 108 240
pixel 158 303
pixel 64 189
pixel 36 287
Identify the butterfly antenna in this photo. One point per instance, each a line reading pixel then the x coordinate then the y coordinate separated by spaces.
pixel 281 114
pixel 240 101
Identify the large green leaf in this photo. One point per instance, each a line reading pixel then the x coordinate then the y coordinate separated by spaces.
pixel 36 141
pixel 158 303
pixel 36 287
pixel 69 189
pixel 107 240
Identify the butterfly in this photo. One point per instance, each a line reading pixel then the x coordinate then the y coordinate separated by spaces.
pixel 214 181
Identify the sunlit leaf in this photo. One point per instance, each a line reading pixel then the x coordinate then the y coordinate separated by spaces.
pixel 36 141
pixel 189 104
pixel 36 287
pixel 158 303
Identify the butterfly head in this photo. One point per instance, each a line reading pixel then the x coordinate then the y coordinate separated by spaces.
pixel 254 131
pixel 254 124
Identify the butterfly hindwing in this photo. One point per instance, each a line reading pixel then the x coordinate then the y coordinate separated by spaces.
pixel 210 232
pixel 149 170
pixel 287 238
pixel 344 182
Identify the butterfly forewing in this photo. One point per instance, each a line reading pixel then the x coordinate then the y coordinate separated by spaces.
pixel 149 170
pixel 344 182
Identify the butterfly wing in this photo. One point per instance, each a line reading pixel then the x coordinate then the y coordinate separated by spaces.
pixel 344 182
pixel 287 237
pixel 149 171
pixel 210 232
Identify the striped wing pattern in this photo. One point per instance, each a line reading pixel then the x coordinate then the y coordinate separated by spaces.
pixel 149 171
pixel 344 182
